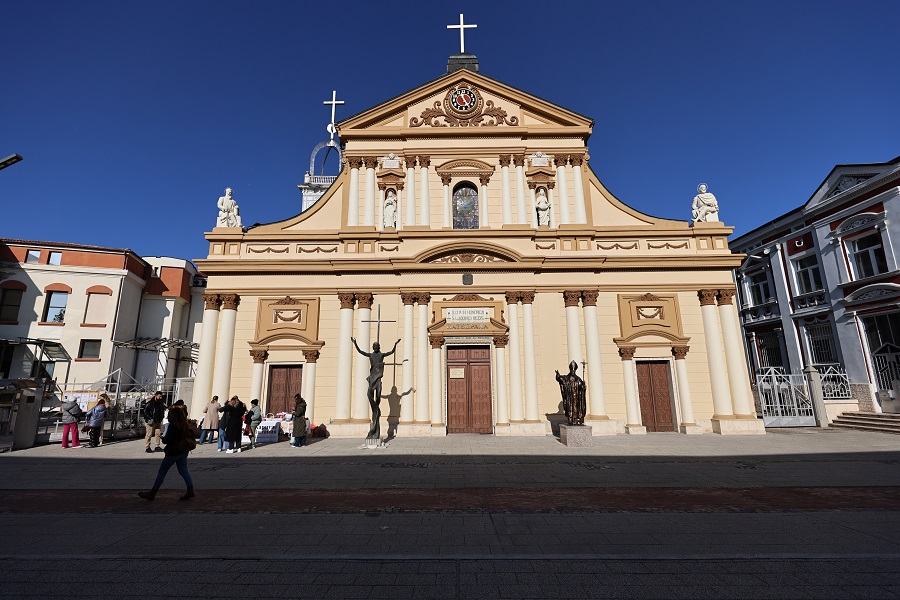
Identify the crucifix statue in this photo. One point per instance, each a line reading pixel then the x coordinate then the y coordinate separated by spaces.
pixel 376 372
pixel 334 102
pixel 462 33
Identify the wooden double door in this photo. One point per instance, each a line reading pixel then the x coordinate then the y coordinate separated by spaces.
pixel 469 389
pixel 284 382
pixel 654 391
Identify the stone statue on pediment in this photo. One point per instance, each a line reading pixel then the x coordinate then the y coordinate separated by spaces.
pixel 229 213
pixel 705 207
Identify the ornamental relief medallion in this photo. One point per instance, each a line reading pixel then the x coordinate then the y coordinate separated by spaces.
pixel 463 106
pixel 468 257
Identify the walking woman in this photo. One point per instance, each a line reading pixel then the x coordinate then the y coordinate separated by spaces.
pixel 95 418
pixel 179 441
pixel 234 409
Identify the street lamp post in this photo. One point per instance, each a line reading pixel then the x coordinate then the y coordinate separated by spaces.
pixel 9 161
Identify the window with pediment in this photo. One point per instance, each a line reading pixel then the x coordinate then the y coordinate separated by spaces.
pixel 465 206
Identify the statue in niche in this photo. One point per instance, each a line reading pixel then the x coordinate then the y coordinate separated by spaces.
pixel 229 213
pixel 573 392
pixel 376 372
pixel 705 208
pixel 390 210
pixel 542 206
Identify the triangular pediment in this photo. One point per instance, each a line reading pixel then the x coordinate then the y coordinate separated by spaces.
pixel 464 101
pixel 845 181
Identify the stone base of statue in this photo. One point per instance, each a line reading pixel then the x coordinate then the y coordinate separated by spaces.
pixel 575 436
pixel 602 426
pixel 739 426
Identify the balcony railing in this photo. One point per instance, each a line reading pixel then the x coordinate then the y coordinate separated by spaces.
pixel 810 300
pixel 761 312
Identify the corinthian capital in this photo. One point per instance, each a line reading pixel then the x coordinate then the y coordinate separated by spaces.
pixel 211 301
pixel 259 356
pixel 526 297
pixel 627 352
pixel 725 296
pixel 424 161
pixel 370 161
pixel 347 300
pixel 589 297
pixel 230 301
pixel 505 159
pixel 365 299
pixel 571 297
pixel 355 162
pixel 707 296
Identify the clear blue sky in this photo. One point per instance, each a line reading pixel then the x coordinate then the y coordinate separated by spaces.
pixel 133 117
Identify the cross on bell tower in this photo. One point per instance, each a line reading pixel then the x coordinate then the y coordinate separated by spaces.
pixel 462 60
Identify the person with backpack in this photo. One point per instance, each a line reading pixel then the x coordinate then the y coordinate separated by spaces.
pixel 71 414
pixel 179 441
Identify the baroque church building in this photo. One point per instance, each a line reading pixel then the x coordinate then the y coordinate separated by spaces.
pixel 466 223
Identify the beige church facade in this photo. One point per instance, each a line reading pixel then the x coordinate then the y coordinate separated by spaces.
pixel 467 223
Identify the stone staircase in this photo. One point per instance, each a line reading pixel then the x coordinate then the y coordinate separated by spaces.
pixel 868 421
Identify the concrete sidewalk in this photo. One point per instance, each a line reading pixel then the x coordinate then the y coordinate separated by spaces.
pixel 67 512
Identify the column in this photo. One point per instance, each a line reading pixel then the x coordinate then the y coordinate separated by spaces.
pixel 437 413
pixel 345 359
pixel 564 217
pixel 632 406
pixel 422 359
pixel 448 222
pixel 483 201
pixel 684 388
pixel 573 329
pixel 407 406
pixel 516 412
pixel 309 383
pixel 500 342
pixel 531 395
pixel 505 195
pixel 425 214
pixel 207 359
pixel 519 162
pixel 734 355
pixel 225 347
pixel 369 214
pixel 400 206
pixel 596 399
pixel 353 205
pixel 256 378
pixel 554 209
pixel 411 184
pixel 718 377
pixel 360 410
pixel 580 211
pixel 379 218
pixel 531 201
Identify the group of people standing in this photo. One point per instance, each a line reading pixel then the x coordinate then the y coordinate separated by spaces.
pixel 94 420
pixel 235 420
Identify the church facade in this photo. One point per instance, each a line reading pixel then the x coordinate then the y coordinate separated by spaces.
pixel 467 223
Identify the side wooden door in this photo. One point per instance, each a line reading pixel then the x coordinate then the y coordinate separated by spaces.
pixel 284 382
pixel 655 396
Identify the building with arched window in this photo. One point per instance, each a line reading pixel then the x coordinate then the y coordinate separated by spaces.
pixel 468 224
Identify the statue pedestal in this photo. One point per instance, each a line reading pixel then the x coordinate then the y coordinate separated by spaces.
pixel 575 436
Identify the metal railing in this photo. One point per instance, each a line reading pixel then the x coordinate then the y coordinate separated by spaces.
pixel 784 398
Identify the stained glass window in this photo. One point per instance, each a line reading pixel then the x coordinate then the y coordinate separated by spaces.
pixel 465 207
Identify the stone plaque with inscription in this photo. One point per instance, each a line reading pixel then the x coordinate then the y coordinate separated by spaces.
pixel 468 318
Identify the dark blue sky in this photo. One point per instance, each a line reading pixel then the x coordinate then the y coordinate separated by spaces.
pixel 133 117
